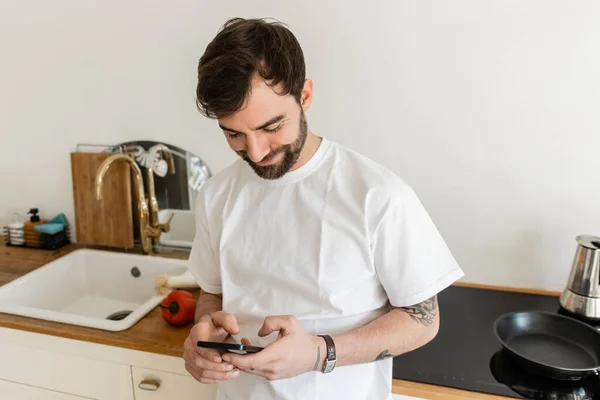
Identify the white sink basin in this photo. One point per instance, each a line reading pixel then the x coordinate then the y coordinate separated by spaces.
pixel 85 287
pixel 183 228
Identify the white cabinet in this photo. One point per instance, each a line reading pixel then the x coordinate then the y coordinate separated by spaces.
pixel 72 374
pixel 150 384
pixel 37 366
pixel 19 391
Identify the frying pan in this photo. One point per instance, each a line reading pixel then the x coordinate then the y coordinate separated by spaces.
pixel 554 345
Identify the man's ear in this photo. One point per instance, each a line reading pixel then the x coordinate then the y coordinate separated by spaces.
pixel 306 95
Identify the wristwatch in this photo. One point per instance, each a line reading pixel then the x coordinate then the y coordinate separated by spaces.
pixel 330 361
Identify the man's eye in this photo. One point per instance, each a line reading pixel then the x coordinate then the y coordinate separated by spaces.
pixel 272 130
pixel 233 135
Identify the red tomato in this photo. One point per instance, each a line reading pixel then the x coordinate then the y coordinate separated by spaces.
pixel 178 308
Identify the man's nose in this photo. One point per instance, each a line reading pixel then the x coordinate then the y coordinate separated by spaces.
pixel 256 148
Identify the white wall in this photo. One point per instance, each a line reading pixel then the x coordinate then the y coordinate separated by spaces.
pixel 490 110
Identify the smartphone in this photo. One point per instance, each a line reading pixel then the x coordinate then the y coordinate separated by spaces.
pixel 233 347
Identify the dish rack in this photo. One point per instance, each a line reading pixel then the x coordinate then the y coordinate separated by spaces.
pixel 47 241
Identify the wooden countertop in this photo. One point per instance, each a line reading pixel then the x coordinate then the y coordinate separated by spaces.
pixel 152 333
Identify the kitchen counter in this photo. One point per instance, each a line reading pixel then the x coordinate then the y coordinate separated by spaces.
pixel 152 334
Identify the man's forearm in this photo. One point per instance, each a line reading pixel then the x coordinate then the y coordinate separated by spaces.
pixel 208 303
pixel 398 331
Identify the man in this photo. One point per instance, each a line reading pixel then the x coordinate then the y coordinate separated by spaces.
pixel 308 249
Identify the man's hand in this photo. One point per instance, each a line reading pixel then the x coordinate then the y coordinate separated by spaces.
pixel 294 352
pixel 206 365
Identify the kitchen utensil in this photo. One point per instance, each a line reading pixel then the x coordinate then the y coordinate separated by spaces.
pixel 528 385
pixel 582 294
pixel 554 345
pixel 164 283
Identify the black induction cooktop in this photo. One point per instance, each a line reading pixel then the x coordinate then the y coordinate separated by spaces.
pixel 466 354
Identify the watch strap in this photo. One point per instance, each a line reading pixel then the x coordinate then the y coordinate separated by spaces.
pixel 330 360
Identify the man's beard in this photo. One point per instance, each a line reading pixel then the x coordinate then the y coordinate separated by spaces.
pixel 291 152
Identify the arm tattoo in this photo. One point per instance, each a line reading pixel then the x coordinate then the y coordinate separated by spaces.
pixel 318 359
pixel 383 355
pixel 422 313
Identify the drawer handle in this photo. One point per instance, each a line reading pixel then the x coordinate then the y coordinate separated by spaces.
pixel 149 384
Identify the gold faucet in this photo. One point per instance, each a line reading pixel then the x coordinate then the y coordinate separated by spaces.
pixel 142 205
pixel 156 226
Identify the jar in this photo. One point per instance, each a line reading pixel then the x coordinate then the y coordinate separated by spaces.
pixel 16 231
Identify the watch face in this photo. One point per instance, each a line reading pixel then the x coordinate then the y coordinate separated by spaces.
pixel 329 365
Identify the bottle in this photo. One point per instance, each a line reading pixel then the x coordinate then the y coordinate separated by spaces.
pixel 32 238
pixel 16 231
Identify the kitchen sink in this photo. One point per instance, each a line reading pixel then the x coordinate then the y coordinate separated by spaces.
pixel 93 288
pixel 183 228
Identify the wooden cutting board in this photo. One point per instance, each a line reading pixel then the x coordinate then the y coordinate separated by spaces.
pixel 108 222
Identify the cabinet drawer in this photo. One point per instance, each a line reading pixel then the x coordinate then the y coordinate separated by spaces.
pixel 150 384
pixel 19 391
pixel 67 373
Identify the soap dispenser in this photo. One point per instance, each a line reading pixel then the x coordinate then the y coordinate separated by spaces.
pixel 32 238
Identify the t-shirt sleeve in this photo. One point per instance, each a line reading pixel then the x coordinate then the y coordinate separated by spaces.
pixel 411 258
pixel 202 263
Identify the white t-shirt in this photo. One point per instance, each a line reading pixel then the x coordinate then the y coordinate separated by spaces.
pixel 330 243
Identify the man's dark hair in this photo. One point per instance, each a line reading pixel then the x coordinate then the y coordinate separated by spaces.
pixel 241 49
